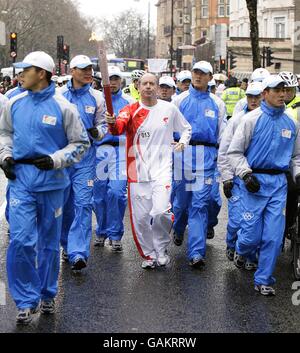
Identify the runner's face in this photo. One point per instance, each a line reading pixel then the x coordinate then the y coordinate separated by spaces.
pixel 253 101
pixel 184 85
pixel 165 92
pixel 275 97
pixel 31 78
pixel 82 76
pixel 115 83
pixel 148 87
pixel 200 80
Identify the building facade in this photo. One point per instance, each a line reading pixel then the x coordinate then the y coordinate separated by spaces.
pixel 195 22
pixel 180 31
pixel 276 21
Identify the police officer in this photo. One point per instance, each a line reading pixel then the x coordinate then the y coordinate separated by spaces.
pixel 231 95
pixel 110 196
pixel 132 89
pixel 260 154
pixel 77 227
pixel 293 107
pixel 40 134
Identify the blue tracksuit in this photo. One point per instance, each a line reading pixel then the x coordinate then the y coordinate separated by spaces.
pixel 110 198
pixel 77 222
pixel 264 140
pixel 194 169
pixel 32 125
pixel 10 94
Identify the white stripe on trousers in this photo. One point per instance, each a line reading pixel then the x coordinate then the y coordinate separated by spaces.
pixel 151 217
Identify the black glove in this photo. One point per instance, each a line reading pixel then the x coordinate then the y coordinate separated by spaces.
pixel 44 163
pixel 251 182
pixel 8 166
pixel 227 187
pixel 93 132
pixel 298 182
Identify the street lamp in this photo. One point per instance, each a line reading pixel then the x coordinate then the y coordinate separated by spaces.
pixel 172 30
pixel 148 35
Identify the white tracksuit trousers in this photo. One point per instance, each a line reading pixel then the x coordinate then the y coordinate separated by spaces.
pixel 151 217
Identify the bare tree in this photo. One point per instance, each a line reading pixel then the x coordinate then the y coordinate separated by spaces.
pixel 39 22
pixel 126 35
pixel 254 32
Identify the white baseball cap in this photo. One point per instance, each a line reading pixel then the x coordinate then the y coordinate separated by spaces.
pixel 167 80
pixel 81 62
pixel 254 88
pixel 272 82
pixel 38 59
pixel 212 83
pixel 114 71
pixel 258 75
pixel 204 66
pixel 184 75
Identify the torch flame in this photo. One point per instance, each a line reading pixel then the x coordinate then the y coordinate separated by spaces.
pixel 94 37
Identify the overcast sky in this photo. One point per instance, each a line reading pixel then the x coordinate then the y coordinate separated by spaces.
pixel 109 8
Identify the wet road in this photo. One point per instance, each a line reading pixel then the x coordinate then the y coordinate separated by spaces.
pixel 114 294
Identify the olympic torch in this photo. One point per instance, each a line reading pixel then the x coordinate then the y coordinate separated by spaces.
pixel 104 71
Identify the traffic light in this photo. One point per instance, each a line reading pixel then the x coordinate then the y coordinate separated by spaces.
pixel 269 57
pixel 13 44
pixel 232 59
pixel 60 46
pixel 222 64
pixel 66 54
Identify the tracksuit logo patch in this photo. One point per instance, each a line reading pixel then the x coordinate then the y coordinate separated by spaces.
pixel 248 216
pixel 14 202
pixel 286 133
pixel 49 120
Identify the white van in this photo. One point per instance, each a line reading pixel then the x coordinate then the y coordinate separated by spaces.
pixel 8 71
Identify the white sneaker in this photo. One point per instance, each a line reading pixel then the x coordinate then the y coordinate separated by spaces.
pixel 163 260
pixel 264 290
pixel 148 264
pixel 99 242
pixel 116 246
pixel 24 316
pixel 250 266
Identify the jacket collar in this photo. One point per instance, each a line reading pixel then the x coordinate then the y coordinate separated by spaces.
pixel 43 94
pixel 78 91
pixel 117 95
pixel 266 108
pixel 198 94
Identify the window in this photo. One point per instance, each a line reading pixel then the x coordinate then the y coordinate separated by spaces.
pixel 221 8
pixel 204 33
pixel 279 23
pixel 180 19
pixel 265 27
pixel 204 11
pixel 179 41
pixel 228 10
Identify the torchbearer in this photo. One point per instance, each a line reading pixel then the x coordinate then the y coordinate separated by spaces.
pixel 149 127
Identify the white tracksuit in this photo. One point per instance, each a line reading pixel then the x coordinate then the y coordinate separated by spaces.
pixel 149 133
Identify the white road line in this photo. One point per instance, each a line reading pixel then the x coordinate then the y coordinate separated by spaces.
pixel 2 210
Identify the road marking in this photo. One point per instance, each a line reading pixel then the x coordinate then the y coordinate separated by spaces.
pixel 2 210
